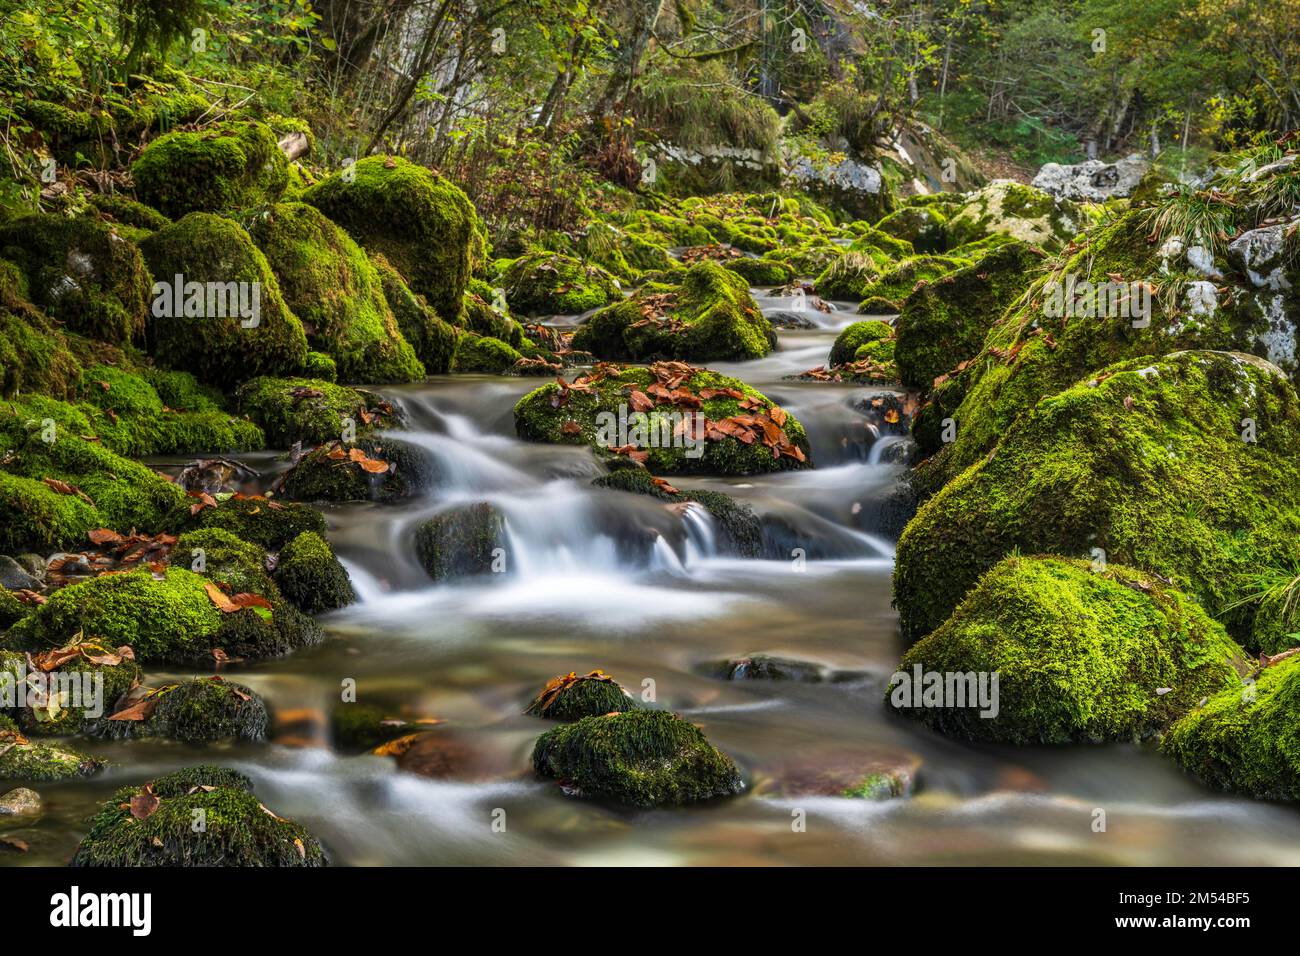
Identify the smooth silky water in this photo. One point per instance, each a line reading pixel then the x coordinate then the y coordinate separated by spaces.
pixel 604 579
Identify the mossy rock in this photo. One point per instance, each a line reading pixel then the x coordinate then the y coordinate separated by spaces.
pixel 921 226
pixel 261 521
pixel 433 339
pixel 847 277
pixel 485 312
pixel 424 225
pixel 883 247
pixel 709 317
pixel 479 353
pixel 740 532
pixel 311 411
pixel 460 541
pixel 640 758
pixel 35 356
pixel 128 212
pixel 221 169
pixel 332 472
pixel 1145 461
pixel 943 323
pixel 1246 739
pixel 896 284
pixel 855 336
pixel 43 439
pixel 336 292
pixel 1081 654
pixel 238 830
pixel 81 708
pixel 22 759
pixel 202 710
pixel 584 415
pixel 879 305
pixel 761 272
pixel 547 283
pixel 82 272
pixel 221 349
pixel 576 696
pixel 1016 210
pixel 320 366
pixel 311 576
pixel 12 610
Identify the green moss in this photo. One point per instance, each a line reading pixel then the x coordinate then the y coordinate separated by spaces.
pixel 943 323
pixel 81 707
pixel 318 365
pixel 490 320
pixel 1080 654
pixel 81 272
pixel 879 305
pixel 477 353
pixel 424 225
pixel 334 289
pixel 1246 739
pixel 543 415
pixel 355 728
pixel 897 283
pixel 642 758
pixel 12 610
pixel 1145 462
pixel 920 226
pixel 197 711
pixel 221 555
pixel 221 169
pixel 311 411
pixel 761 272
pixel 855 336
pixel 579 696
pixel 433 339
pixel 547 283
pixel 261 521
pixel 740 530
pixel 1016 210
pixel 710 316
pixel 219 344
pixel 460 541
pixel 311 576
pixel 327 473
pixel 128 212
pixel 34 355
pixel 38 761
pixel 237 829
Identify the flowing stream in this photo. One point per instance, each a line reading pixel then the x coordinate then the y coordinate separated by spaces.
pixel 605 579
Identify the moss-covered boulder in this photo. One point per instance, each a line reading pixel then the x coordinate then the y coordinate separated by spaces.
pixel 740 531
pixel 921 226
pixel 433 339
pixel 484 354
pixel 220 169
pixel 943 323
pixel 154 825
pixel 896 284
pixel 761 272
pixel 311 576
pixel 672 417
pixel 640 758
pixel 334 289
pixel 311 411
pixel 193 711
pixel 258 520
pixel 1148 463
pixel 855 336
pixel 227 321
pixel 574 696
pixel 368 469
pixel 1082 653
pixel 710 316
pixel 24 759
pixel 1016 210
pixel 423 224
pixel 548 283
pixel 57 481
pixel 82 272
pixel 847 277
pixel 34 354
pixel 1246 739
pixel 460 541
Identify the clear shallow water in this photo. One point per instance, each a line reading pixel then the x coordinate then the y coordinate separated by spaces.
pixel 610 580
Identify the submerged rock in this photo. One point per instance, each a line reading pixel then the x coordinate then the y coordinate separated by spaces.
pixel 573 696
pixel 1082 654
pixel 20 807
pixel 359 727
pixel 709 316
pixel 1245 739
pixel 1144 464
pixel 769 667
pixel 154 825
pixel 460 541
pixel 642 758
pixel 868 773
